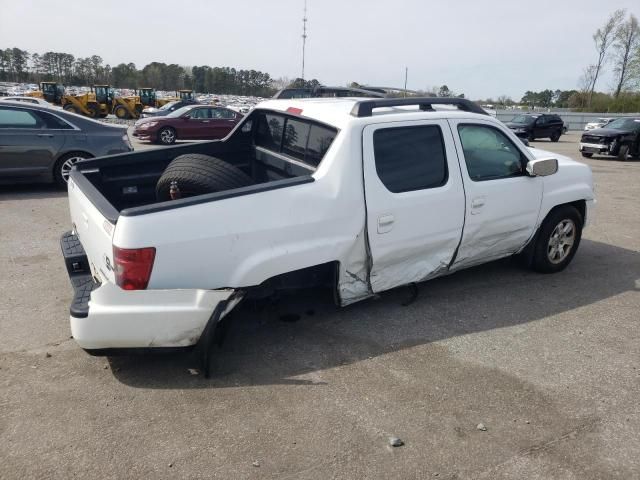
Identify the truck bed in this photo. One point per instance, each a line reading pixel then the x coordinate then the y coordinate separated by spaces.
pixel 125 184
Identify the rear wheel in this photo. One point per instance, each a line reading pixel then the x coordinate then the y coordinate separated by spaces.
pixel 121 112
pixel 196 174
pixel 167 136
pixel 587 154
pixel 557 240
pixel 63 166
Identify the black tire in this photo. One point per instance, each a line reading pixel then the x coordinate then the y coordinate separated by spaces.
pixel 587 154
pixel 531 137
pixel 167 136
pixel 63 164
pixel 546 254
pixel 555 136
pixel 197 174
pixel 623 153
pixel 121 112
pixel 94 110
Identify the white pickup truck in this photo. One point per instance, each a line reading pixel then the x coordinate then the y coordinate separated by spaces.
pixel 363 195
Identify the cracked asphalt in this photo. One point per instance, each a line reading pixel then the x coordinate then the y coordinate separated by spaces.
pixel 550 364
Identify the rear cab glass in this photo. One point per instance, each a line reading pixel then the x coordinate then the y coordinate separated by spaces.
pixel 299 138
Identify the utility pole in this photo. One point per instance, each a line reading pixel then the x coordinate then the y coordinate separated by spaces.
pixel 406 74
pixel 304 35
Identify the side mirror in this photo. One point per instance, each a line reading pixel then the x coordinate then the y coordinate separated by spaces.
pixel 542 167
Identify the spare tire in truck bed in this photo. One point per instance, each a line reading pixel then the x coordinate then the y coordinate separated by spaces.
pixel 196 174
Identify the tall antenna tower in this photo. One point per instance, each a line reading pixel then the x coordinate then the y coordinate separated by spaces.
pixel 304 35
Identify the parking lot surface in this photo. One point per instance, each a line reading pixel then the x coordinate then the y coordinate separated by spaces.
pixel 549 364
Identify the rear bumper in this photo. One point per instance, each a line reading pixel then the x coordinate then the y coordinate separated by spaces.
pixel 106 318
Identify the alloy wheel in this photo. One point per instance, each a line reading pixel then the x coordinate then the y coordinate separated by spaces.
pixel 561 241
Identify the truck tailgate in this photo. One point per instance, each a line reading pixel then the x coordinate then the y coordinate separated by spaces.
pixel 94 231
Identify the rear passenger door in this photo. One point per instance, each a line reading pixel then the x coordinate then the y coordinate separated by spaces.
pixel 414 199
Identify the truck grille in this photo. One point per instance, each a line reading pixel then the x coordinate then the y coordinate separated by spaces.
pixel 593 139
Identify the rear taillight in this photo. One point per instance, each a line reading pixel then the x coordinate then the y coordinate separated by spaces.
pixel 133 267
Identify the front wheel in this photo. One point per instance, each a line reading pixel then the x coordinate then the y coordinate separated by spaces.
pixel 555 136
pixel 121 112
pixel 587 154
pixel 558 240
pixel 623 153
pixel 167 136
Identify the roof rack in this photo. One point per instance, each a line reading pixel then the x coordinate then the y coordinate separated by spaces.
pixel 365 108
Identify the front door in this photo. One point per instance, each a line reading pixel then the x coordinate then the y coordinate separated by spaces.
pixel 414 199
pixel 502 202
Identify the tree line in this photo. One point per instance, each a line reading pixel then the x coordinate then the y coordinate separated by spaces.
pixel 21 66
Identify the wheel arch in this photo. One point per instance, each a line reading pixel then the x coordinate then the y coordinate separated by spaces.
pixel 527 252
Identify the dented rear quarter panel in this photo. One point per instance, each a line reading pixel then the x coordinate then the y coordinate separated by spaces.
pixel 243 241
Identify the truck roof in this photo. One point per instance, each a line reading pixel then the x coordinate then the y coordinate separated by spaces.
pixel 340 112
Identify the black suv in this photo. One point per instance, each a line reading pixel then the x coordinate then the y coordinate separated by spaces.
pixel 620 138
pixel 539 125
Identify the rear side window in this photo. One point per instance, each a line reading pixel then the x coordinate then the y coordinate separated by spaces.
pixel 54 123
pixel 269 131
pixel 410 158
pixel 299 138
pixel 320 139
pixel 296 134
pixel 10 118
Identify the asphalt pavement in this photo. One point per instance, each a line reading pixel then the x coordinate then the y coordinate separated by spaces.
pixel 548 364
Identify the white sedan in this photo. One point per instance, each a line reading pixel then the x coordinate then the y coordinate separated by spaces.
pixel 32 100
pixel 601 122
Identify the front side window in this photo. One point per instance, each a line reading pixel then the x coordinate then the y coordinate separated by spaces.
pixel 10 118
pixel 199 113
pixel 410 158
pixel 489 154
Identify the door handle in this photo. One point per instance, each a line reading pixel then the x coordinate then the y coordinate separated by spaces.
pixel 476 204
pixel 47 135
pixel 385 223
pixel 205 121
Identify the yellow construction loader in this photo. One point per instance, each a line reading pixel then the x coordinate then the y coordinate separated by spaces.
pixel 121 107
pixel 52 92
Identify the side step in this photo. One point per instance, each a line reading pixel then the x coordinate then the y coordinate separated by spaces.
pixel 77 263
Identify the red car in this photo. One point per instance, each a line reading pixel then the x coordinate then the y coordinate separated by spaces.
pixel 192 122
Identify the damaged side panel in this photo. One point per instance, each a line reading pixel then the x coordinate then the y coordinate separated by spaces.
pixel 413 235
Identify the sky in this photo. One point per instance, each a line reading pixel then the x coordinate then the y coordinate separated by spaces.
pixel 481 48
